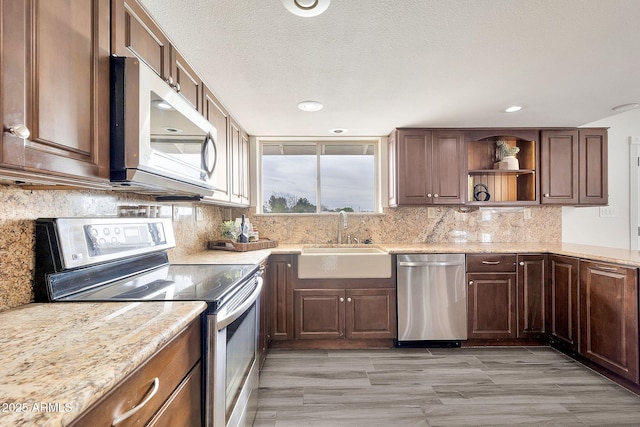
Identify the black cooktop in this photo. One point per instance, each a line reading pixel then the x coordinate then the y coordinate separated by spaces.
pixel 172 282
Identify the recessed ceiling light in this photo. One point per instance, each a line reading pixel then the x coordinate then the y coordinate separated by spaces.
pixel 306 8
pixel 625 107
pixel 339 130
pixel 310 106
pixel 512 109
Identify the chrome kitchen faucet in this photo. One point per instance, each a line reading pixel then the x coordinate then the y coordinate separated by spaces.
pixel 342 215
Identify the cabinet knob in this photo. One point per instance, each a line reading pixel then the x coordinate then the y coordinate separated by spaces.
pixel 436 195
pixel 546 194
pixel 177 86
pixel 288 265
pixel 428 194
pixel 470 282
pixel 20 130
pixel 341 299
pixel 169 80
pixel 348 299
pixel 521 262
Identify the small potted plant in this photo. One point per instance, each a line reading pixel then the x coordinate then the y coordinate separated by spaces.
pixel 507 156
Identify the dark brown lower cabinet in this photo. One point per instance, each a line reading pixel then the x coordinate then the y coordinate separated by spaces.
pixel 609 317
pixel 562 314
pixel 491 305
pixel 345 314
pixel 532 295
pixel 280 277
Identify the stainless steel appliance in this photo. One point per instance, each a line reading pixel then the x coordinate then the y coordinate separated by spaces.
pixel 125 259
pixel 432 299
pixel 159 142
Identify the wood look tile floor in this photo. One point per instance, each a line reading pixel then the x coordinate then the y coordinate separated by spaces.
pixel 504 386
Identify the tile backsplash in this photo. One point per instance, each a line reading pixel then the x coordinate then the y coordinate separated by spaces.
pixel 20 207
pixel 420 224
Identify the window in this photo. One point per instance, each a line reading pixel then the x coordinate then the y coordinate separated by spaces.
pixel 316 177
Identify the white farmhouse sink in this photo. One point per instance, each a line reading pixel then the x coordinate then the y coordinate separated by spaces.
pixel 344 263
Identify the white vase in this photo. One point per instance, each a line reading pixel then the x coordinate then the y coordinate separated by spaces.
pixel 512 162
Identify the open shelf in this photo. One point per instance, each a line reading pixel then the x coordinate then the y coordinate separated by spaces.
pixel 505 186
pixel 501 171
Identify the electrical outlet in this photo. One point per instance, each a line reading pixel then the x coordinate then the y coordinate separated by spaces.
pixel 175 214
pixel 527 213
pixel 431 213
pixel 199 213
pixel 608 211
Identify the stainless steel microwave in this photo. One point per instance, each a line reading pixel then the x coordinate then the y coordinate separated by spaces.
pixel 159 143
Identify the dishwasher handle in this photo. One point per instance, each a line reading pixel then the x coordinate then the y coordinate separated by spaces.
pixel 428 263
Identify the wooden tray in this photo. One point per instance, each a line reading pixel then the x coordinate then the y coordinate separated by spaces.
pixel 230 245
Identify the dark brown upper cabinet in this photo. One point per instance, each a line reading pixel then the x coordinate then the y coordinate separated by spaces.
pixel 491 182
pixel 135 33
pixel 426 167
pixel 574 167
pixel 55 91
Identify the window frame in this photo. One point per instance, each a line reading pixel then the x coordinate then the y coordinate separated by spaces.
pixel 318 143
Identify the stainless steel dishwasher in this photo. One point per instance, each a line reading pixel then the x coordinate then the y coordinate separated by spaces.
pixel 432 300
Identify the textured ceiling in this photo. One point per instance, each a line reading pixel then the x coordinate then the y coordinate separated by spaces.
pixel 380 64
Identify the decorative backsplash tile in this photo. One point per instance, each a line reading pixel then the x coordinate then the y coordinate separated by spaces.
pixel 413 225
pixel 20 207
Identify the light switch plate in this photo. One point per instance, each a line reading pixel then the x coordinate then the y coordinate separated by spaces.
pixel 199 213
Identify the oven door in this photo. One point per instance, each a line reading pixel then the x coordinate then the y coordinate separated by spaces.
pixel 232 358
pixel 159 141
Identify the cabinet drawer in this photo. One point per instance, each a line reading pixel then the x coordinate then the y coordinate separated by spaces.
pixel 169 366
pixel 491 263
pixel 184 407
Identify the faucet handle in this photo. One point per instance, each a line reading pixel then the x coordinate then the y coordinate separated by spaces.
pixel 356 240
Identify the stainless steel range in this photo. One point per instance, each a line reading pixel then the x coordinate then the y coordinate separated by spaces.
pixel 125 259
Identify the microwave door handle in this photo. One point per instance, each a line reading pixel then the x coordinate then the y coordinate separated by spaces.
pixel 208 142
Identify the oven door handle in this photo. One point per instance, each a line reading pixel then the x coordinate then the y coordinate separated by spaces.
pixel 226 319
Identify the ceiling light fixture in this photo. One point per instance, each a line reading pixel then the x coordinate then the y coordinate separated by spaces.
pixel 310 106
pixel 338 131
pixel 161 104
pixel 512 109
pixel 306 8
pixel 625 107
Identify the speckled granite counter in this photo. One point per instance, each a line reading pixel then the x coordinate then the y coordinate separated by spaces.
pixel 57 359
pixel 597 253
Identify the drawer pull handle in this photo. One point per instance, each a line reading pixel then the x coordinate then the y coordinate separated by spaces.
pixel 491 262
pixel 130 412
pixel 601 267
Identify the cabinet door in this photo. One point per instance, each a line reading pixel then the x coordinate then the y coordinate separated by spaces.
pixel 562 316
pixel 280 274
pixel 319 313
pixel 264 332
pixel 532 295
pixel 594 188
pixel 135 33
pixel 414 167
pixel 239 165
pixel 55 80
pixel 371 313
pixel 559 167
pixel 447 164
pixel 219 118
pixel 609 317
pixel 491 305
pixel 185 79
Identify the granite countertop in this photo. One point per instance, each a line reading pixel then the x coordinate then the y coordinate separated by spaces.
pixel 59 358
pixel 597 253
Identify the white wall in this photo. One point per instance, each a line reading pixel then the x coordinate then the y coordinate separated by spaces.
pixel 584 224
